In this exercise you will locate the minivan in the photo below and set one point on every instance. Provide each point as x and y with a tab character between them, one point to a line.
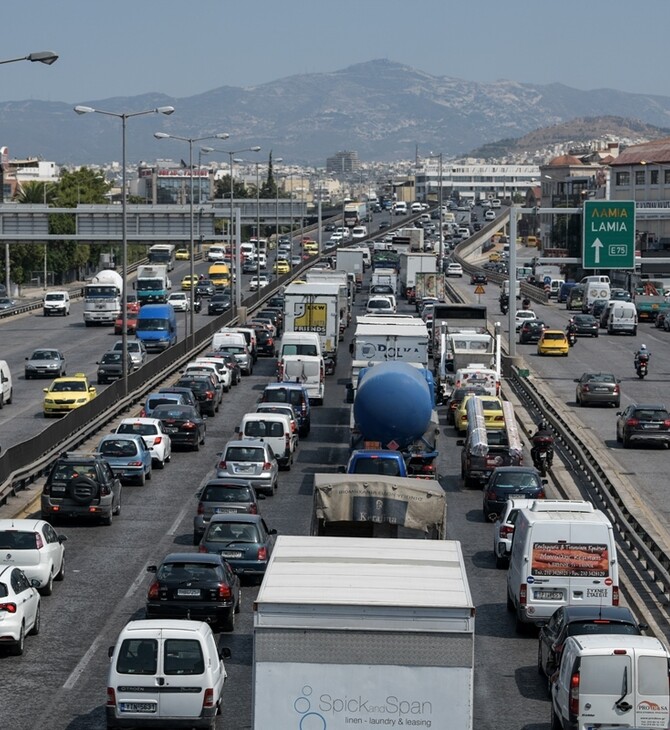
56	302
560	557
308	371
300	343
622	318
400	208
611	680
165	672
273	428
157	326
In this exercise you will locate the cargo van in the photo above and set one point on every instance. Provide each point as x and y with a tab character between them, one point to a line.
594	291
575	297
308	371
561	557
622	318
5	383
165	672
157	326
300	343
273	428
564	290
597	278
250	337
611	680
400	207
219	274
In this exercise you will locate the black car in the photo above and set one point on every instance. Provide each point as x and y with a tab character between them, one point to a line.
479	279
110	366
219	303
184	424
81	485
265	343
383	225
276	301
587	325
276	314
511	481
476	227
205	288
645	423
598	307
329	227
581	620
199	586
207	392
531	331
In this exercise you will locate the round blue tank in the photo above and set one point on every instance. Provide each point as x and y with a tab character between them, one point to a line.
393	403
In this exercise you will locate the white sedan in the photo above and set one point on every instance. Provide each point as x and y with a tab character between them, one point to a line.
35	547
179	301
454	269
523	315
258	282
24	616
152	432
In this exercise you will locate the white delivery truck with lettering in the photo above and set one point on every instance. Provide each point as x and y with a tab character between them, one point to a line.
347	634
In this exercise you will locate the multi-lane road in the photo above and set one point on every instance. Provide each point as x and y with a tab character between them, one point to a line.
60	681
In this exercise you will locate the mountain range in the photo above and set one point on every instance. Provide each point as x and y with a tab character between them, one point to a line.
383	110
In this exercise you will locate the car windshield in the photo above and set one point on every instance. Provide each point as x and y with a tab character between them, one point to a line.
651	414
16	540
179	571
184	413
513	481
153	403
554	336
44	355
232	532
67	470
152	324
224	493
387	467
68	385
601	626
245	453
112	357
118	447
138	429
600	378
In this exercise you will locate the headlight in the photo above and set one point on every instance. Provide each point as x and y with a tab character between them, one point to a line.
29	366
81	400
48	400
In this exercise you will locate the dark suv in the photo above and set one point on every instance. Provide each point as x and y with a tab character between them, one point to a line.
531	331
81	485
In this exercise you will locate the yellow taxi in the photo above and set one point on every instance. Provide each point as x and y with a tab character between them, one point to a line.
492	408
281	267
67	393
553	342
310	248
182	254
495	257
187	283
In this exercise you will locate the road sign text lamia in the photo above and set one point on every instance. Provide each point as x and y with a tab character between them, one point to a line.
609	220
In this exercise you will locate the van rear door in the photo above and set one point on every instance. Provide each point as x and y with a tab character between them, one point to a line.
651	706
183	670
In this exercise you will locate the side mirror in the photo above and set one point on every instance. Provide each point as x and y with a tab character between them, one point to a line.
576	380
460	442
62	539
110	651
151	568
224	653
272	531
260	496
35	583
26	358
545	481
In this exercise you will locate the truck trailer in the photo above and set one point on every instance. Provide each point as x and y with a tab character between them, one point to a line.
353	631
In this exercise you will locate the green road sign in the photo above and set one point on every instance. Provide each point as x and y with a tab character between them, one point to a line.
609	234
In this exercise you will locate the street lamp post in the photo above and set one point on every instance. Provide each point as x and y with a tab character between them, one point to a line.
202	151
46	57
440	246
191	140
124	220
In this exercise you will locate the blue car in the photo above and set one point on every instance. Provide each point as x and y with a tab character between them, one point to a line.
165	399
377	461
128	456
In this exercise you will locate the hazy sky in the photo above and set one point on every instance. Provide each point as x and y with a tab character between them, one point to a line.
181	48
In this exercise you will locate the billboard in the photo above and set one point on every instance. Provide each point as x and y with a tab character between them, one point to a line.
570	559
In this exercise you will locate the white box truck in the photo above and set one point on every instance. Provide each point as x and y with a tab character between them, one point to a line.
351	261
353	631
412	264
316	308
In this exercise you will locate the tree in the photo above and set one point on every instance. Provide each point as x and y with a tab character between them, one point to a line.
222	189
269	187
36	192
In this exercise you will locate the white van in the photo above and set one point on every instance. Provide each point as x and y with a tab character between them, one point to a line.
554	287
5	383
598	278
300	343
221	339
593	292
622	318
400	207
358	232
611	680
309	371
559	558
165	672
56	302
273	428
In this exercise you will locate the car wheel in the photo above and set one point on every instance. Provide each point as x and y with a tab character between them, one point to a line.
60	575
626	442
160	464
196	446
228	624
238	606
556	724
141	479
149	474
38	623
17	648
501	563
196	538
48	588
28	376
108	519
510	604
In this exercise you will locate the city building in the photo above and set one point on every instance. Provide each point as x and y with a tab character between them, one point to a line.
343	163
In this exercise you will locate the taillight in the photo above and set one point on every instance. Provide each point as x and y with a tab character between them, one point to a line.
287	442
157	440
39	544
253	509
322	374
153	590
666	423
267	466
208	698
143	413
506	531
615	595
111	697
573	707
9	607
541	494
224	591
134	463
202	549
491	496
105	489
262	553
280	372
201	508
189	426
222	465
523	594
294	427
633	422
209	394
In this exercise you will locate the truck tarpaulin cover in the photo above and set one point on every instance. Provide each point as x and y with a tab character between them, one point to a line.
411	503
570	559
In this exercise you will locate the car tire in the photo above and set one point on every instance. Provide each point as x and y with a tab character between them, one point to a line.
38	623
540	670
238	605
48	588
555	723
626	442
196	446
60	575
196	538
228	624
17	648
141	480
160	464
107	520
501	563
510	604
617	404
149	474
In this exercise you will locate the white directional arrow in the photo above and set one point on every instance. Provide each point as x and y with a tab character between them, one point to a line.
597	244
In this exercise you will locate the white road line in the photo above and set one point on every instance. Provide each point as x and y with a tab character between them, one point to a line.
81	665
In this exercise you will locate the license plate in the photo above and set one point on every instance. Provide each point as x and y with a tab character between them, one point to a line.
548	595
225	510
596	592
137	707
601	390
170	429
57	488
188	592
231	554
244	467
651	426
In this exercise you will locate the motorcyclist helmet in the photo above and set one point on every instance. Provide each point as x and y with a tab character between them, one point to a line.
542	425
643	347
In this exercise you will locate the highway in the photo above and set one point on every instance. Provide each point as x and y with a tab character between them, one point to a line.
61	679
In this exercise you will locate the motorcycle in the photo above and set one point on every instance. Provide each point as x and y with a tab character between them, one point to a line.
543	455
504	305
572	337
642	366
197	305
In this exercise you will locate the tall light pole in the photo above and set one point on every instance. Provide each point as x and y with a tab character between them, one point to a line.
202	151
46	57
191	140
124	220
440	248
234	245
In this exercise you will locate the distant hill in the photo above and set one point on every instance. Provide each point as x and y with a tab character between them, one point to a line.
381	109
576	132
